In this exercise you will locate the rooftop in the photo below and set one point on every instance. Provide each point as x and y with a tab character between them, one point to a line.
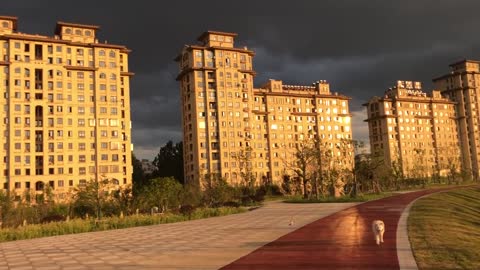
11	18
60	24
204	34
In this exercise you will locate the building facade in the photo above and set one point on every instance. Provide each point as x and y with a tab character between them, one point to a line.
462	85
229	125
415	131
65	109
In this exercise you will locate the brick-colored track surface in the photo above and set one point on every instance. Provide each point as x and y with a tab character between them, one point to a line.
343	240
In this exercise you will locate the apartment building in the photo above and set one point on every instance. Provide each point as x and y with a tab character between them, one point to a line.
225	116
462	85
65	109
415	131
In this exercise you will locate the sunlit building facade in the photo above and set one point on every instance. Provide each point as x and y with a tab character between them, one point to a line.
462	85
224	115
413	131
65	109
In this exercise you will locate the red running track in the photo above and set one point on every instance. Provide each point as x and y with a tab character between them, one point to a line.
343	240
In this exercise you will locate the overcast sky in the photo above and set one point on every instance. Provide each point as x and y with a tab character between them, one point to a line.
360	47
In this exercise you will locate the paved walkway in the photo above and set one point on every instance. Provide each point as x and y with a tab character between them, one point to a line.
199	244
343	240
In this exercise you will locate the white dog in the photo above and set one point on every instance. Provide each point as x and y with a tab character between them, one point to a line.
378	228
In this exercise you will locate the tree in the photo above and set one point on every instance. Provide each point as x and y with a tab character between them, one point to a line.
6	205
92	198
356	145
397	170
124	199
367	170
244	159
169	161
420	170
247	186
305	161
345	147
138	177
163	192
216	190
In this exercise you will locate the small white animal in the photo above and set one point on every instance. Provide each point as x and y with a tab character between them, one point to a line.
378	228
292	222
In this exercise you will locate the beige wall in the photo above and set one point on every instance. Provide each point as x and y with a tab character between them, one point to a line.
462	85
66	112
414	129
224	115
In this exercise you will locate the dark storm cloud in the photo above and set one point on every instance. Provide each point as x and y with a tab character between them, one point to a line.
360	47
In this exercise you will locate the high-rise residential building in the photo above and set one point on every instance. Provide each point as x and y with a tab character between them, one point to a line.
224	116
414	131
462	85
65	109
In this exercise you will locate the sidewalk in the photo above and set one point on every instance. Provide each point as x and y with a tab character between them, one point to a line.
343	240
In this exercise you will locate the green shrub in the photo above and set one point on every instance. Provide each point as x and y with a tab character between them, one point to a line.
89	225
231	204
53	218
187	210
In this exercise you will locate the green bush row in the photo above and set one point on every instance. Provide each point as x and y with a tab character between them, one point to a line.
78	225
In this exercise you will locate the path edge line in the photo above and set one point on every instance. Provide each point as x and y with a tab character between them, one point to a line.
406	260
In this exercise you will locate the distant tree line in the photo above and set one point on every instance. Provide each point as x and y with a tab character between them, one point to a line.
168	163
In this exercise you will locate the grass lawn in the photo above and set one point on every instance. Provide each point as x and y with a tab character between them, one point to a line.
108	223
444	230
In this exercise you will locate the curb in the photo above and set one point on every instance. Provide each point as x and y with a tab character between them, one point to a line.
406	261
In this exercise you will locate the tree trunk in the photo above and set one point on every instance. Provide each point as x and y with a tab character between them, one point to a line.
305	191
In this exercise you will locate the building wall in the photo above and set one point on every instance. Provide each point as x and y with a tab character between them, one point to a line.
224	116
462	85
414	130
65	109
